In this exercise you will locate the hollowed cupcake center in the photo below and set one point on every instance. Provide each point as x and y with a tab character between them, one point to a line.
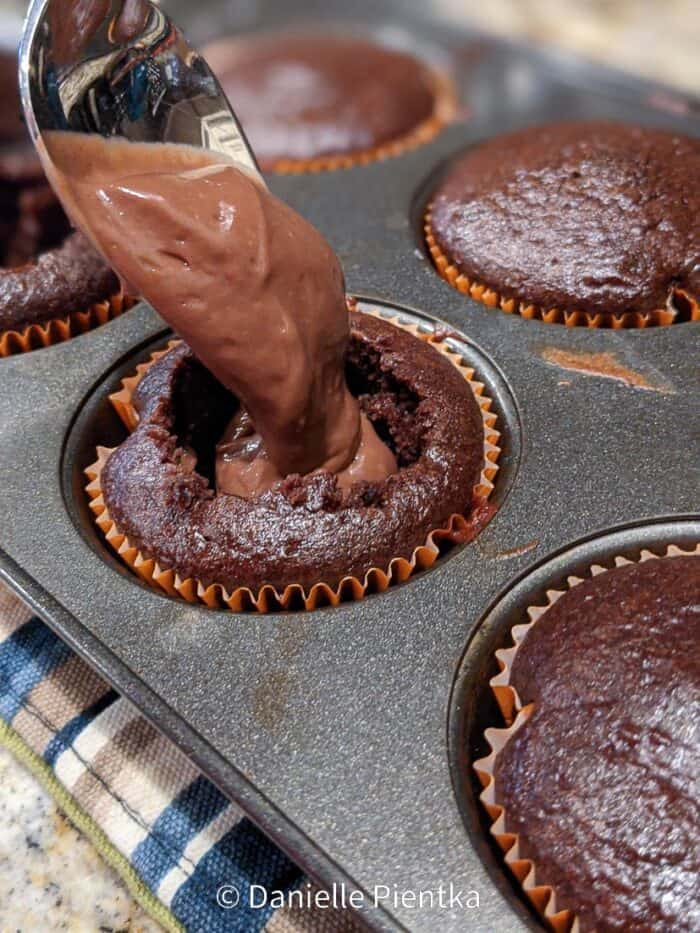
202	408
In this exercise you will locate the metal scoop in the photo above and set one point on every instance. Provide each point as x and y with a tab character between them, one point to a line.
121	68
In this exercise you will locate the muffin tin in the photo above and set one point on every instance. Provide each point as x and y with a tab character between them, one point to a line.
348	734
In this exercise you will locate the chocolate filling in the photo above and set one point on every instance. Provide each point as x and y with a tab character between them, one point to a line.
202	408
249	284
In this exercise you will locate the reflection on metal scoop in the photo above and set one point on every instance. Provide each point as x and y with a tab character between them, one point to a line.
121	68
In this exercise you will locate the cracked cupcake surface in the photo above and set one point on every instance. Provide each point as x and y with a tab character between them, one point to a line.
593	217
600	783
159	485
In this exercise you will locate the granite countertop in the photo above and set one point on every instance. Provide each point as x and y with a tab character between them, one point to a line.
46	867
51	878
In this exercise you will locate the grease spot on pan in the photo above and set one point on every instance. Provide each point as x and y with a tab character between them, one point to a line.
270	699
271	694
515	551
606	366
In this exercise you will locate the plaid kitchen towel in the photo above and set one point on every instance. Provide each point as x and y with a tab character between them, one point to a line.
187	854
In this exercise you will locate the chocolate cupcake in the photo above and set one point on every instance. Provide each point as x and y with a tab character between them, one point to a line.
594	788
318	102
53	284
305	541
579	223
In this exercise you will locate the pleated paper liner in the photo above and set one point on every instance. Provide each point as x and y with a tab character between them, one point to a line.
443	113
686	307
58	330
458	530
542	896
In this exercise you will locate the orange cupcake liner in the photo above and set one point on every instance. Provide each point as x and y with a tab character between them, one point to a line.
444	110
449	271
543	897
458	530
58	330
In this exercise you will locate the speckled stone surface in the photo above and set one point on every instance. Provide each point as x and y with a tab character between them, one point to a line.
51	878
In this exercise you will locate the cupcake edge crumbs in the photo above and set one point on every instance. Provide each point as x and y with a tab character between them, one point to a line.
293	595
60	314
563	914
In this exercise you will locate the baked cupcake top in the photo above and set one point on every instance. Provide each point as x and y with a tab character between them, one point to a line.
595	217
46	271
600	783
159	485
300	97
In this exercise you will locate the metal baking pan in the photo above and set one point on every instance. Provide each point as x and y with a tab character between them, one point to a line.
347	734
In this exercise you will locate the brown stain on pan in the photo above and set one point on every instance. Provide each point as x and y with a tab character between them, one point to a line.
515	551
271	694
270	699
605	365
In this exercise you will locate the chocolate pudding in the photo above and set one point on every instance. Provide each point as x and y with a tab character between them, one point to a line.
300	97
592	217
601	783
253	288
